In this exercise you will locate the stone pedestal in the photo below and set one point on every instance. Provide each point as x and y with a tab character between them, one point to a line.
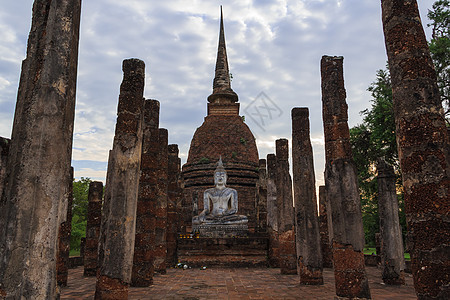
221	230
223	252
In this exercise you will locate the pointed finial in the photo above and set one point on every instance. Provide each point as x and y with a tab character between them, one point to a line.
222	82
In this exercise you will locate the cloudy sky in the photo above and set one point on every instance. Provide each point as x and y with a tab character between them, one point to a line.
274	51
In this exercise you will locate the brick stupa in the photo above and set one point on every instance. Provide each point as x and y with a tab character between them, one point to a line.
223	133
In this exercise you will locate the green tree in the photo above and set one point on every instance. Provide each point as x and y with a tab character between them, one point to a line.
439	45
79	211
373	138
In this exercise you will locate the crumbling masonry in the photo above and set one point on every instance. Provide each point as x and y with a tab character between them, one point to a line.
122	181
285	209
142	273
94	219
342	186
307	233
38	168
422	141
325	246
392	256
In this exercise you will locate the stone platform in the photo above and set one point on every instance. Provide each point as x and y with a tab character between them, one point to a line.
224	252
221	231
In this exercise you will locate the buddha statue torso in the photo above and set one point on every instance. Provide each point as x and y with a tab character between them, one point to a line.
220	203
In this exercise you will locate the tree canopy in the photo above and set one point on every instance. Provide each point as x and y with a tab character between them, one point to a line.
439	45
79	211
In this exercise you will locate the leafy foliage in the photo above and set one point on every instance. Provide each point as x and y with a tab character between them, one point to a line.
79	211
372	139
439	45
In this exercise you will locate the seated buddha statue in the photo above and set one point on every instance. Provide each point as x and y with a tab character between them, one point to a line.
220	203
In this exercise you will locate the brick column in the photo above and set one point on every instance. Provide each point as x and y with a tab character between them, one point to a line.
272	215
174	195
285	210
261	198
309	256
348	233
4	151
65	230
32	208
392	256
422	141
325	246
142	273
94	220
160	253
122	182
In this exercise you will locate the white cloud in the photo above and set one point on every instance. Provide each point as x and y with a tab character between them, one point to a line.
274	46
90	173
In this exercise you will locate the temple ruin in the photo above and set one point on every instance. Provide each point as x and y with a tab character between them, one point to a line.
224	207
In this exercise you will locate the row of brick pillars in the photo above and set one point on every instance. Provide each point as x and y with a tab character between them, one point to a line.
135	234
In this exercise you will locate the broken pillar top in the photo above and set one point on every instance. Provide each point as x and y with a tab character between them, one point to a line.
282	149
151	113
173	148
384	169
262	163
133	65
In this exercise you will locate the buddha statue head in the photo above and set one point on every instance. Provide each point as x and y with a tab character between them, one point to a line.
220	175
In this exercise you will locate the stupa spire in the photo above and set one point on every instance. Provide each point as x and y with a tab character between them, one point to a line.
222	83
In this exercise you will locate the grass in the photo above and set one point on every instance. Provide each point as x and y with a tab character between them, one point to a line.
74	252
370	251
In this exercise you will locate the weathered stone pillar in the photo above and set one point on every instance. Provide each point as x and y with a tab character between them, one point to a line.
122	182
32	208
285	209
392	257
342	186
422	141
261	198
307	233
174	193
94	220
65	230
142	273
160	252
327	254
4	151
272	215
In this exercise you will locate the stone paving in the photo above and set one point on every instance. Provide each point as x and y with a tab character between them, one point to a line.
234	283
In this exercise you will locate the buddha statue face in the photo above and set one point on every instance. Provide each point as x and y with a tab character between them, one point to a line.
220	178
